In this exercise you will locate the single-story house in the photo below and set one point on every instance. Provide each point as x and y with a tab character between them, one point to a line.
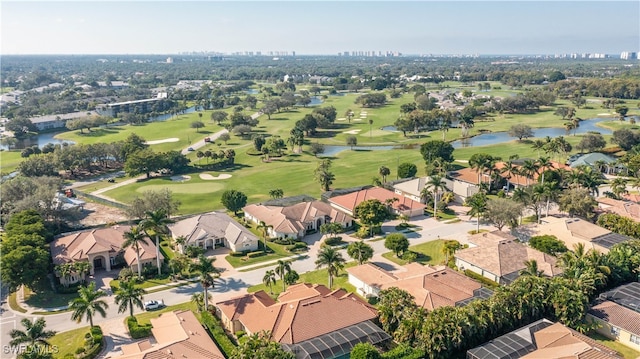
627	209
431	287
399	204
177	334
464	183
214	229
102	248
499	257
618	313
598	161
296	220
573	231
542	339
311	321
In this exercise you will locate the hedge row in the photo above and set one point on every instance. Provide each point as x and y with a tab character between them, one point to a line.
219	335
136	330
486	281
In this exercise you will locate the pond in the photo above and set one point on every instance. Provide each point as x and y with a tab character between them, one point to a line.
251	91
334	150
501	137
39	140
315	100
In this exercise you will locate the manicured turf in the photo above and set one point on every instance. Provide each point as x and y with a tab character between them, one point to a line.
45	298
13	303
67	342
625	351
428	253
277	252
9	161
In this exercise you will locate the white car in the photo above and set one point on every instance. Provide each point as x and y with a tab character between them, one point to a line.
153	305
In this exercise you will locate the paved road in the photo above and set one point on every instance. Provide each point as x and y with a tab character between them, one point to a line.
201	143
233	283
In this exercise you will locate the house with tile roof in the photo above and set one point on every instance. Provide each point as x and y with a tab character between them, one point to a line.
294	221
542	339
574	231
308	320
431	287
213	229
499	257
178	335
102	248
618	313
627	209
399	204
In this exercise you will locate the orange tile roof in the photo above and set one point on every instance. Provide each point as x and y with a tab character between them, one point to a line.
618	316
292	219
559	342
627	209
351	200
303	316
78	246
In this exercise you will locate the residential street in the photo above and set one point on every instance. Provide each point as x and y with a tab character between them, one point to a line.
234	282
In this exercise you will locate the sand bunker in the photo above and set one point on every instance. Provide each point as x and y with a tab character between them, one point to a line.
180	178
208	177
604	114
341	119
353	132
173	139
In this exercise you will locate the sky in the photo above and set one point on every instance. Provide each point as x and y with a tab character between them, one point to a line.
319	27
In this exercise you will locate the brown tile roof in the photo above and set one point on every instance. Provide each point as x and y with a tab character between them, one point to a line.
559	342
505	256
212	225
431	287
618	316
465	175
623	208
470	175
292	219
351	200
77	246
178	335
303	316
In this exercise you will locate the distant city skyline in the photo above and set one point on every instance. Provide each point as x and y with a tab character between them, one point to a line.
327	28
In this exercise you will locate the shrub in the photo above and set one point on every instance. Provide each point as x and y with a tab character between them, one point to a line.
240	334
364	351
403	351
194	251
138	331
333	241
410	256
486	281
255	254
79	350
219	336
238	254
125	274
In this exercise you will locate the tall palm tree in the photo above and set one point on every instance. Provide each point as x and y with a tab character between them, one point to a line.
478	204
510	169
538	145
264	228
544	163
207	274
134	238
181	241
198	300
33	335
531	269
529	168
619	186
360	251
128	296
436	184
281	270
269	279
384	172
88	303
156	222
332	259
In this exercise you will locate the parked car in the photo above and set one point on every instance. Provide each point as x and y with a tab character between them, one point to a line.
153	305
207	139
190	149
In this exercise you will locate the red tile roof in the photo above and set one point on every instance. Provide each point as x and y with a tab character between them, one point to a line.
351	200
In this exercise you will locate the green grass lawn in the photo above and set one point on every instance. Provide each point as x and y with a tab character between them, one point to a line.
13	303
428	253
445	215
143	318
9	161
319	276
148	283
67	342
46	298
277	251
625	351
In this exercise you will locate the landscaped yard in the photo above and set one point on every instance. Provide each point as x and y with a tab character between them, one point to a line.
143	318
67	342
625	351
427	253
278	251
46	298
9	161
319	276
147	283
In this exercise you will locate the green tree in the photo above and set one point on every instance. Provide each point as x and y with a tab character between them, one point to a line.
233	200
397	243
478	204
352	141
129	296
394	306
197	125
548	244
143	161
135	237
198	300
331	228
34	335
577	202
269	279
435	183
323	174
371	212
260	346
219	116
449	249
360	251
384	172
276	193
156	222
331	259
283	267
88	303
520	131
132	144
406	170
25	265
264	228
364	351
503	211
531	269
207	273
435	149
224	137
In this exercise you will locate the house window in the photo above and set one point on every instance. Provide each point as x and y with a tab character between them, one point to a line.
635	339
112	260
615	331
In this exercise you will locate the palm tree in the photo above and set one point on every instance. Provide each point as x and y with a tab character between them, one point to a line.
269	279
332	259
478	204
207	274
384	172
529	168
180	241
436	183
538	145
360	251
370	127
619	186
134	238
544	164
128	296
198	300
157	222
281	270
88	303
33	335
531	269
265	230
510	169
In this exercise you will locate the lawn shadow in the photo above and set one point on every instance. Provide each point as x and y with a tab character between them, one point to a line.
101	132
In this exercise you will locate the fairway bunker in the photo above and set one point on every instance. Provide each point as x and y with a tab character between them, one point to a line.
166	140
208	177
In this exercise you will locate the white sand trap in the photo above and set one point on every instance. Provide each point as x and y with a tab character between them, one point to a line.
353	132
208	177
341	119
357	119
155	142
180	178
604	114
